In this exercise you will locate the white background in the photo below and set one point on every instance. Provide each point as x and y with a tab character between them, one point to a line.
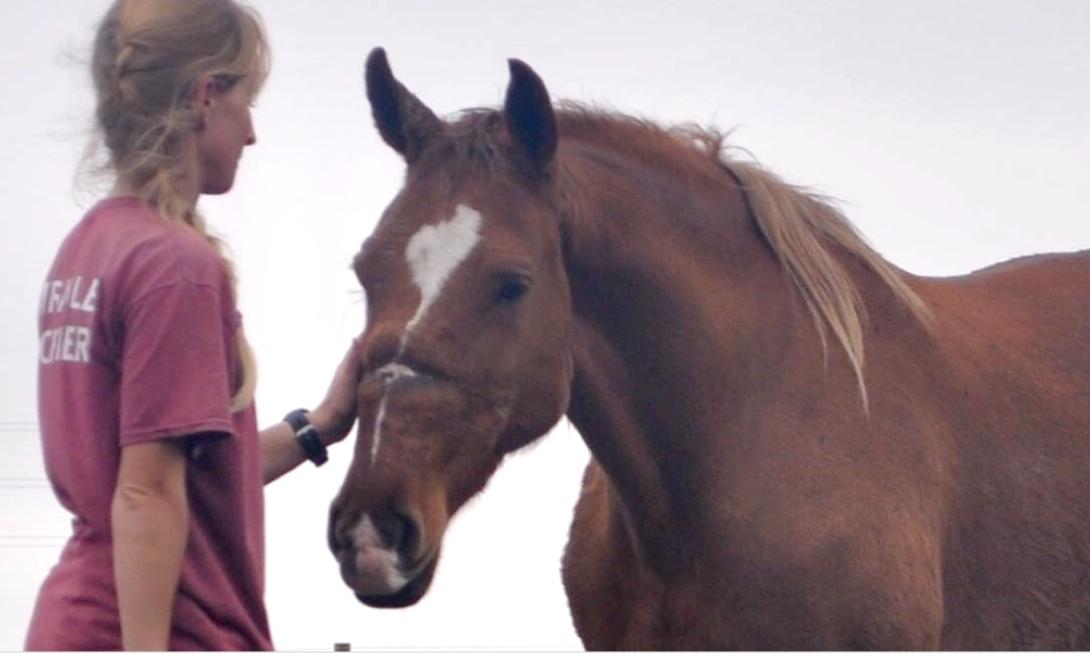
956	133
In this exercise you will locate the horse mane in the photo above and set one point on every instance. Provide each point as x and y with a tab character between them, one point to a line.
797	223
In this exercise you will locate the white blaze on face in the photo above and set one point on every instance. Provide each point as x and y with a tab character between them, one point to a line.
433	253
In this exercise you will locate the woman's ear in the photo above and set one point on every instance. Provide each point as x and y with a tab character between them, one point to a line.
204	95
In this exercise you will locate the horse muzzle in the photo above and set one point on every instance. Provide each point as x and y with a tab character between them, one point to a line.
380	559
412	591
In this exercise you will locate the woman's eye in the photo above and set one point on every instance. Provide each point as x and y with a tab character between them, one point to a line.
511	291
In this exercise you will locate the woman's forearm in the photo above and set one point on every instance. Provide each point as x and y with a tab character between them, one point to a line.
280	453
150	525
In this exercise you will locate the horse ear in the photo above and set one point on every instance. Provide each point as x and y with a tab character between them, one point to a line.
404	122
529	115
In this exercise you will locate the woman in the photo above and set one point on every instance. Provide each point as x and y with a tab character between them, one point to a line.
146	381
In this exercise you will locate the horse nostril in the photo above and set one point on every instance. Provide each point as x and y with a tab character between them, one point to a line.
410	538
337	542
398	531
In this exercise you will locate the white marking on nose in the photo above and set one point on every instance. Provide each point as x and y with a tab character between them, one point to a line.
374	559
376	439
394	371
387	374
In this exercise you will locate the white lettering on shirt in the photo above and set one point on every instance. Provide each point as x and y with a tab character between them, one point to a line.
90	301
61	295
68	343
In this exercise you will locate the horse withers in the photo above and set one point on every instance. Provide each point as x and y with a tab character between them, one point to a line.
795	444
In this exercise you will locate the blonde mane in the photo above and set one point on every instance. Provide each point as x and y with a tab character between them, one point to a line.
801	227
797	224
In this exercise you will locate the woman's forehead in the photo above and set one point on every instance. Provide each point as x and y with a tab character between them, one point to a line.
250	85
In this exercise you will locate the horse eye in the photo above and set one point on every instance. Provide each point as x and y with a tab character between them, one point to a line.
511	291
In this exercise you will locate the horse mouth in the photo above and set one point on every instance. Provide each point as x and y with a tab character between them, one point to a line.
408	595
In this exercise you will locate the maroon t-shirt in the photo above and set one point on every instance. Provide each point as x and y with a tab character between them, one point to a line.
137	343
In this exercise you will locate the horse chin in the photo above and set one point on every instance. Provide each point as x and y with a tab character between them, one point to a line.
408	595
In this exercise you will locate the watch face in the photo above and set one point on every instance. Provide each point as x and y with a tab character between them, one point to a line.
312	446
307	436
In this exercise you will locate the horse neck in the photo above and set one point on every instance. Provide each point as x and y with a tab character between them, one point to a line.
681	316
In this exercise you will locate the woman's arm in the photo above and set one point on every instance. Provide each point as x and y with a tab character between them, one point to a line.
280	453
333	419
150	523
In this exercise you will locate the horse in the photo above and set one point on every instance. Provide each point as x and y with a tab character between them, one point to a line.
795	444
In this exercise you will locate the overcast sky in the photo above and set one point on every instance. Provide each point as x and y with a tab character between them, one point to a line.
956	134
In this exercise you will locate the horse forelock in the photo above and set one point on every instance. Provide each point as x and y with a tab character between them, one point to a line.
797	224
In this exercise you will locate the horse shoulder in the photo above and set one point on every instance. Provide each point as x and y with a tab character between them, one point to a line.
613	604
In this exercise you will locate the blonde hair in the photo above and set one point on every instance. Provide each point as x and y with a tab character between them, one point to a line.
148	58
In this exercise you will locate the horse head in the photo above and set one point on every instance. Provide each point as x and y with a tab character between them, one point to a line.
468	314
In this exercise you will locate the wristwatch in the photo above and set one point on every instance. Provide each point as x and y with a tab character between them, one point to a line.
307	436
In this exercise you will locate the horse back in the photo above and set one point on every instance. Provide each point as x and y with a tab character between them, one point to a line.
1016	338
1014	385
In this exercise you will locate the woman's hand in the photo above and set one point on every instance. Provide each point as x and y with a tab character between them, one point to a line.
335	416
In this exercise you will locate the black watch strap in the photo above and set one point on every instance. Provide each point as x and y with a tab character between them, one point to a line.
307	436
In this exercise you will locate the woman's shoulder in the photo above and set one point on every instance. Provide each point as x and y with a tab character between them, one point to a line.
147	247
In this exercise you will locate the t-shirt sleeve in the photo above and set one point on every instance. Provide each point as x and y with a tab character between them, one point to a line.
174	371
